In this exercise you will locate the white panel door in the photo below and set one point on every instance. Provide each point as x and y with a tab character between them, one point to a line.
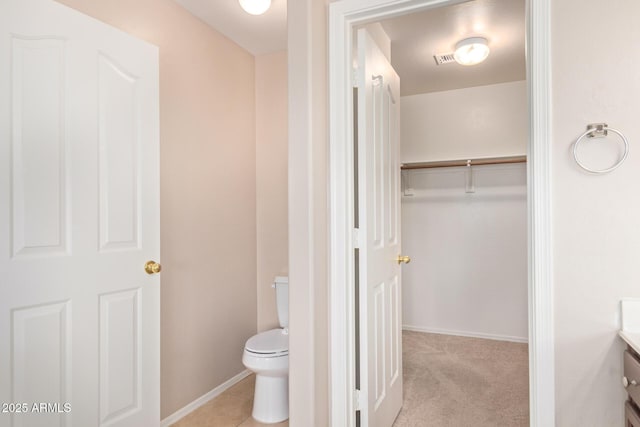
79	217
379	216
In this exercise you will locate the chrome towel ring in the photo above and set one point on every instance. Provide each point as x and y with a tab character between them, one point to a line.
600	130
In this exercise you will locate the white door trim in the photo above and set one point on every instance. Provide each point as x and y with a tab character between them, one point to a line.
344	15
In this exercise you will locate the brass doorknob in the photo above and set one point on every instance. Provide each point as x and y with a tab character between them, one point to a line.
152	267
403	258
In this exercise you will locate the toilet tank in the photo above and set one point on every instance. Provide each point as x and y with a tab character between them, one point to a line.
281	283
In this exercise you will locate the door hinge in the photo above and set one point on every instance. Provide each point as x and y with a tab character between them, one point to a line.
354	78
356	238
356	400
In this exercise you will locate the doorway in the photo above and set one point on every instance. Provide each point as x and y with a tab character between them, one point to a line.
345	16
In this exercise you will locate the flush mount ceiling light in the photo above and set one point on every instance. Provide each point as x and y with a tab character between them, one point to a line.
255	7
471	51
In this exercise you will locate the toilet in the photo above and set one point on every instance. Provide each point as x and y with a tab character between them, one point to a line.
267	354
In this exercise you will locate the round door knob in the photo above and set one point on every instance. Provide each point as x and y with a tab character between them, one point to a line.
626	383
403	258
152	267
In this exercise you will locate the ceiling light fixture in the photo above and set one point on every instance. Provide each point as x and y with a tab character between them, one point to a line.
471	51
255	7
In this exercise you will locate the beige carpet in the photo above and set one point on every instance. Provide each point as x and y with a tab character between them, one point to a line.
463	382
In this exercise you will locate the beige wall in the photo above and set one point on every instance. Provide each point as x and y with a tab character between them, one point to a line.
482	121
208	188
596	219
271	181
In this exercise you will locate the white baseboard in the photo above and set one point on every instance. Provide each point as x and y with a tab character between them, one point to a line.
495	337
183	412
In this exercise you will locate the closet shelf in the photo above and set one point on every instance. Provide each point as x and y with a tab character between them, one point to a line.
467	162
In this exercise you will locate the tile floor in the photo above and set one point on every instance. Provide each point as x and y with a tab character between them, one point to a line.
448	381
231	409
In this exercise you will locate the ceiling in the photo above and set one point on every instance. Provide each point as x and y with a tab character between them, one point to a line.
417	37
260	34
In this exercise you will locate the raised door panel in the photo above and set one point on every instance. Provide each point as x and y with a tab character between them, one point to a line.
392	170
120	357
119	156
379	343
41	364
395	347
377	149
39	220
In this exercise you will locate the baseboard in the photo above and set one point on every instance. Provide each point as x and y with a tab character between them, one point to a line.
495	337
183	412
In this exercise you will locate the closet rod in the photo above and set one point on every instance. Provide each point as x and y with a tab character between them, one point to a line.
472	162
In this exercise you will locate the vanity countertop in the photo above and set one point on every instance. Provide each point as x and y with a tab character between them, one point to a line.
631	338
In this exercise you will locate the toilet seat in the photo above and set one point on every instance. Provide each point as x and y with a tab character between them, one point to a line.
273	343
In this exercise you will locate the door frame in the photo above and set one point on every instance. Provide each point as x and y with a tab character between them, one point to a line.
343	17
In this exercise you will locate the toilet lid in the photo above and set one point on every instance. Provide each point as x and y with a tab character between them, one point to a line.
273	341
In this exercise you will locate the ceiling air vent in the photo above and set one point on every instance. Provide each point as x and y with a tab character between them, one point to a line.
444	58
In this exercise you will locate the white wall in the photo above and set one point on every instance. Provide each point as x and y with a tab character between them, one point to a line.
308	214
596	219
483	121
468	270
468	274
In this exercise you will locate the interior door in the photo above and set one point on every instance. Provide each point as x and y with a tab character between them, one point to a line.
79	217
379	209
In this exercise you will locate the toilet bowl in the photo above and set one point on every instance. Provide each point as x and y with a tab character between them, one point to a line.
267	355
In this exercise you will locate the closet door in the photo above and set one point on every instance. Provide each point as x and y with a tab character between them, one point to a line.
379	212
